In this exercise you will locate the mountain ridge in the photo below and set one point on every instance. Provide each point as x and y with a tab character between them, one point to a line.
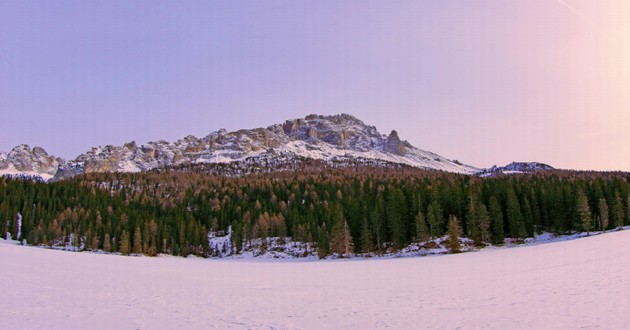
314	136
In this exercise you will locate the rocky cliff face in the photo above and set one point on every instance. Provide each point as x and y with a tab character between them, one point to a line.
515	168
315	136
23	160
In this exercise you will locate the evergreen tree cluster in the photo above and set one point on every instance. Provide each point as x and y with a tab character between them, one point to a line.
341	211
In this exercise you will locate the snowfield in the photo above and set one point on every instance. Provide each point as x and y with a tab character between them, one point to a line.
583	283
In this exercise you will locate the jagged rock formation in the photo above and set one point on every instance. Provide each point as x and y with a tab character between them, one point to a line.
515	168
315	136
24	161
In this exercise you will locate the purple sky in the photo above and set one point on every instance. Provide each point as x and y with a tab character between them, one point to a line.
485	81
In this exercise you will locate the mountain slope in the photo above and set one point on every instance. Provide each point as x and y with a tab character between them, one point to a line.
326	138
515	168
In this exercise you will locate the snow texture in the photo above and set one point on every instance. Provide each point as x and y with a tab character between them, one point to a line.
580	283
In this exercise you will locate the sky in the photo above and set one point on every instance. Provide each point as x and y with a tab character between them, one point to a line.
484	82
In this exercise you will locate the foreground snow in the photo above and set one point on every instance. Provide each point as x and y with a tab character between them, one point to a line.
572	284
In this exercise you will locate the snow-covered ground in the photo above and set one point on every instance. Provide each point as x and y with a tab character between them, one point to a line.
583	283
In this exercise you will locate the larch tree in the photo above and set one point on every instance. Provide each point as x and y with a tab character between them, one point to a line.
107	243
125	248
340	241
453	232
584	211
137	241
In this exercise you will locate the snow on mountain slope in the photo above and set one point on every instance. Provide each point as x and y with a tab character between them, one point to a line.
22	161
574	284
317	137
515	168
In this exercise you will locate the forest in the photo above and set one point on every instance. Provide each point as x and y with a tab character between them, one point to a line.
340	211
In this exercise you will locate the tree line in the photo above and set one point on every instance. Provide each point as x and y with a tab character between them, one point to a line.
340	211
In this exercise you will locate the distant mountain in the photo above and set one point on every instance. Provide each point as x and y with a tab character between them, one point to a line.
337	138
24	161
515	168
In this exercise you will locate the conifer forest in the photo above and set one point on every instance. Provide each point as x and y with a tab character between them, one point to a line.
342	211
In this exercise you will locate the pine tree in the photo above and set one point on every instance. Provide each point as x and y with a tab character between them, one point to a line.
603	214
584	212
453	233
496	215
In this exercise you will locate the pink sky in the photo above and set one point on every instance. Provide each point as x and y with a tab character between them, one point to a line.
485	82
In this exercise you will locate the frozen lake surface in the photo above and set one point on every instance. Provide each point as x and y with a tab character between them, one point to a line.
583	283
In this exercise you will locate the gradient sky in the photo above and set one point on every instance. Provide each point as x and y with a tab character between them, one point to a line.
482	81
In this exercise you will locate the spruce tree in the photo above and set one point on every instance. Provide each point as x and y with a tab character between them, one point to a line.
323	242
618	211
422	231
603	214
483	223
366	238
496	215
515	216
435	219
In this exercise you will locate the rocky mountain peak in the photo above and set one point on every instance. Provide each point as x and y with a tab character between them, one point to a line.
327	138
22	160
394	145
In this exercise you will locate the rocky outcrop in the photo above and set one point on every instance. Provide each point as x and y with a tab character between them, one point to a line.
315	136
23	160
394	145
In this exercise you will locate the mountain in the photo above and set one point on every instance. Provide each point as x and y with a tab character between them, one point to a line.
24	161
328	138
515	168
